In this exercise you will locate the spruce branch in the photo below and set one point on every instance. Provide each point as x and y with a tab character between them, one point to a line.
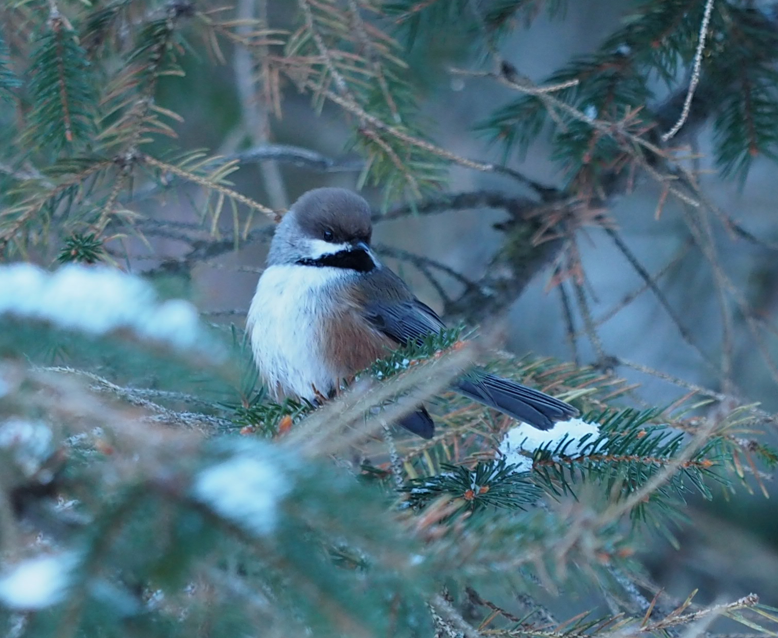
130	101
488	485
361	65
212	181
515	206
371	126
627	133
62	89
164	471
282	153
43	193
396	132
373	55
140	397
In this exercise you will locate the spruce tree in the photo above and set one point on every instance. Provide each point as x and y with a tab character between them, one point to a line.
149	485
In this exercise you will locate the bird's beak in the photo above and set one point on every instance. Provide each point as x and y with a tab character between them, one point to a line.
360	245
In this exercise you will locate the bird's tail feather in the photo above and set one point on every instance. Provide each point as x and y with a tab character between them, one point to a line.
520	402
419	422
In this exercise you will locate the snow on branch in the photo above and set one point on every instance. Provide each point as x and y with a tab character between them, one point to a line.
27	443
100	300
38	582
245	488
520	443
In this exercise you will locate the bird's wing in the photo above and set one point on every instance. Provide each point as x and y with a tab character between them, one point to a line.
391	308
406	322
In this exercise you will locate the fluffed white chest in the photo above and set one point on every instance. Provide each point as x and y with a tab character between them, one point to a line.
286	326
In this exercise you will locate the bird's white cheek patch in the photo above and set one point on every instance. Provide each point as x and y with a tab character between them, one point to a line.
319	248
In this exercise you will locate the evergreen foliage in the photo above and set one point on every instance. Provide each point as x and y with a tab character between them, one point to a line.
264	531
487	485
63	95
153	488
92	80
82	248
616	83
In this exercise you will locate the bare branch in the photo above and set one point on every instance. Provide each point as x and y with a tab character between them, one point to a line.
567	311
424	264
283	153
583	308
138	397
256	112
695	79
516	206
631	296
298	156
651	284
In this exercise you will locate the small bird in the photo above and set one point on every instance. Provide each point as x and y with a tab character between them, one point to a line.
326	308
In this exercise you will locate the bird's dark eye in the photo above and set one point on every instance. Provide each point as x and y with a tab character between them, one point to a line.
328	235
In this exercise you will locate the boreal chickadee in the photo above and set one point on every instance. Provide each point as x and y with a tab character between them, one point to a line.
326	308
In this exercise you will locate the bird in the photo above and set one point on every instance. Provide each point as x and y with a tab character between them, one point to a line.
326	308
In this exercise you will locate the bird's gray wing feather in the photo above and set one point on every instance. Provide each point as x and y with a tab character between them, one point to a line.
391	308
406	322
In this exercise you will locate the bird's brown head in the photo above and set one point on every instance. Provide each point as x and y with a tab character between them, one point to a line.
322	222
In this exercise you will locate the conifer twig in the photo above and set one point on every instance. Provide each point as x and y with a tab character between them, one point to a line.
367	44
631	296
205	183
353	107
137	397
567	312
583	304
651	284
615	130
695	79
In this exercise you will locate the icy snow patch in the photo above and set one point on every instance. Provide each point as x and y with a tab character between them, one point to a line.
244	489
37	582
97	300
29	443
527	439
